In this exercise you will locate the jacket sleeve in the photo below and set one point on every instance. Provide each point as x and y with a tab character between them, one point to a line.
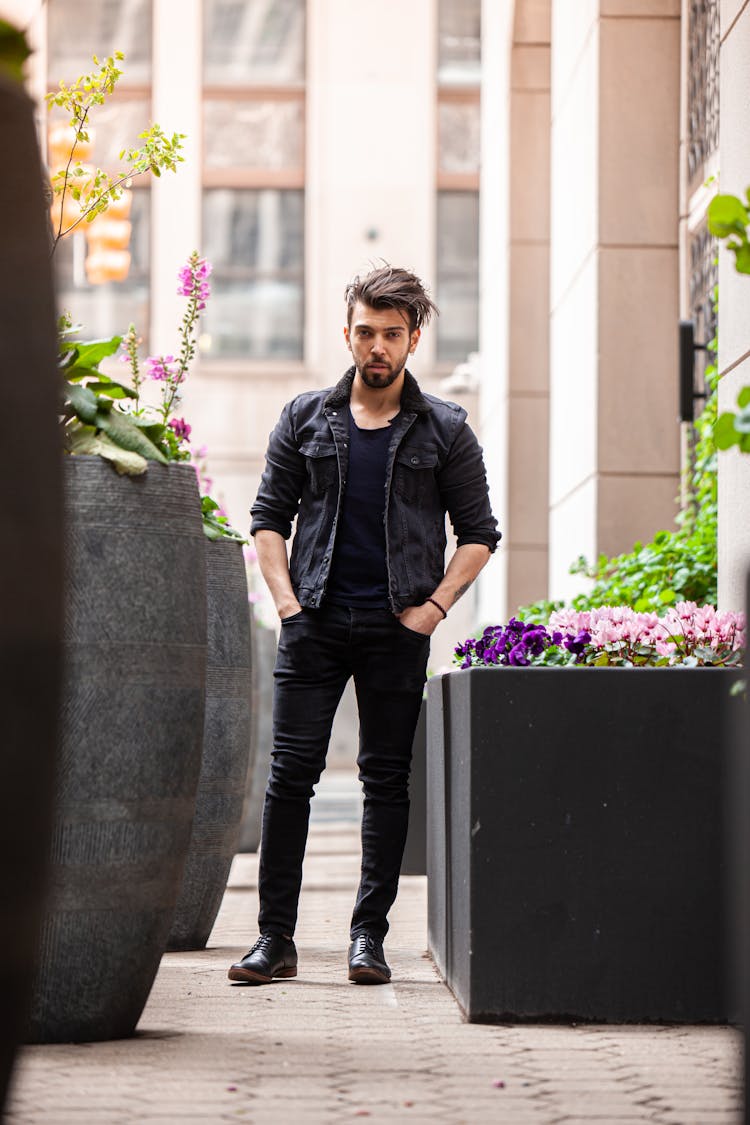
463	487
282	481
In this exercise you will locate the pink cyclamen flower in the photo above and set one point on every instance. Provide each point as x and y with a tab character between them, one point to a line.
181	429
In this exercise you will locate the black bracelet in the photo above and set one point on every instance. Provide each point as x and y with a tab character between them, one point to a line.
438	605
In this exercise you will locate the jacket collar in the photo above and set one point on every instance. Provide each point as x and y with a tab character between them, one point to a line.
412	399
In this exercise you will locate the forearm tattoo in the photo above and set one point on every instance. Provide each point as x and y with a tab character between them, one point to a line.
461	590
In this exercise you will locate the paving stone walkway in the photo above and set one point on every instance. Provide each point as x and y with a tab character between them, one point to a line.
319	1049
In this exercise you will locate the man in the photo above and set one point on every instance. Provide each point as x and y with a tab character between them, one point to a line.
369	468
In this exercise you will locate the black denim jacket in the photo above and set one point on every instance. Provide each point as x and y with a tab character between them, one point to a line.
434	465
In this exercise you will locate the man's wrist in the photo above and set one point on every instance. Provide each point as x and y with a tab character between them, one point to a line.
288	606
439	606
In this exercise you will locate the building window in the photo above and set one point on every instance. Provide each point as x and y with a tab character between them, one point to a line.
78	29
107	310
458	275
702	86
457	288
702	161
254	238
459	42
253	177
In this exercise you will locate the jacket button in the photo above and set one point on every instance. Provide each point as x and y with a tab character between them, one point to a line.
326	558
415	460
333	412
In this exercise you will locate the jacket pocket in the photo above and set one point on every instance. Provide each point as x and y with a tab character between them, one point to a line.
414	471
321	464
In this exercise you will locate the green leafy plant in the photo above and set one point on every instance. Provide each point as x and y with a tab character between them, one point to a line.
729	221
107	417
94	190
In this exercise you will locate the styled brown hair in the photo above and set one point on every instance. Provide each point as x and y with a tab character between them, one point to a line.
389	287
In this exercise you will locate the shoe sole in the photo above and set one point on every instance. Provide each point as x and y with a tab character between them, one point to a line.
247	976
368	976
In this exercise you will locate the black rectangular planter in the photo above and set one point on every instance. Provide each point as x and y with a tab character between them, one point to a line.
575	842
414	861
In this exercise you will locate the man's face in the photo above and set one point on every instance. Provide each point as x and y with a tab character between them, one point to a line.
380	343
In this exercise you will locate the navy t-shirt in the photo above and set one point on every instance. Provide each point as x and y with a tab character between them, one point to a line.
359	576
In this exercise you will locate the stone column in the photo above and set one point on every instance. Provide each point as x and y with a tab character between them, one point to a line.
176	198
614	453
528	337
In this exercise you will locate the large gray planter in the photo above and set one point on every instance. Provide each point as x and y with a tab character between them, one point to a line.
30	563
576	842
264	659
226	747
132	725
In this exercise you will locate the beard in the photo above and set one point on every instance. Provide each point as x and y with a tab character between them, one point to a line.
379	380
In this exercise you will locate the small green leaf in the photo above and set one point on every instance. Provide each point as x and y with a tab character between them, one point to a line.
91	353
83	401
743	398
153	430
742	258
725	434
111	389
125	461
123	432
726	215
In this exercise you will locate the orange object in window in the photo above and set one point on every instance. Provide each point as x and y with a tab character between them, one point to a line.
107	265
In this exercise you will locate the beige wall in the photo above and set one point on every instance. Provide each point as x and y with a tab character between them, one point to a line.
734	290
614	443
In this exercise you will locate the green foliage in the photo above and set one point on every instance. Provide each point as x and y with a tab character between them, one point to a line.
14	51
215	525
94	422
729	221
94	191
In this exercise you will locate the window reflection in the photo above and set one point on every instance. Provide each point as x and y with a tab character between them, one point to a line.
107	310
457	274
459	43
458	136
253	134
254	239
251	42
116	125
78	29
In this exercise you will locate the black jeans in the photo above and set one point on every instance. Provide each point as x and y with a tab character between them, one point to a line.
319	650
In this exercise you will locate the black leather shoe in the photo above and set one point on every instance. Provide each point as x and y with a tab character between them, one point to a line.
367	964
271	956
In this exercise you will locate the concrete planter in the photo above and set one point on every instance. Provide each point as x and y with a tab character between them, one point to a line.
226	748
575	842
132	726
30	564
264	659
